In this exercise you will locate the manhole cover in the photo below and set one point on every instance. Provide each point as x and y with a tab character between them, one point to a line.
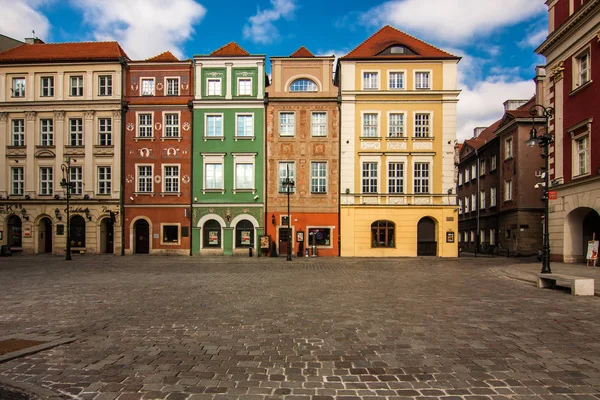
10	345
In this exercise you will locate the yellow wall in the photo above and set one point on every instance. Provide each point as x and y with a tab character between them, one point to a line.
356	242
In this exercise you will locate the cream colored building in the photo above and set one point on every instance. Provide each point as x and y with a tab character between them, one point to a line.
58	101
398	131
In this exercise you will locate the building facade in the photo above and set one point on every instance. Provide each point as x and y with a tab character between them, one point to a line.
158	155
228	152
60	106
398	130
303	145
569	84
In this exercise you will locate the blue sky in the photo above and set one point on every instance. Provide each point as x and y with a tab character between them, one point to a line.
496	38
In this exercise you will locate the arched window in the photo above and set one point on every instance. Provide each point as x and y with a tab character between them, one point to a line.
14	231
77	231
244	234
212	233
382	234
303	85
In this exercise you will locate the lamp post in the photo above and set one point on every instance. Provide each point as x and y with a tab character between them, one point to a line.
288	184
67	185
543	141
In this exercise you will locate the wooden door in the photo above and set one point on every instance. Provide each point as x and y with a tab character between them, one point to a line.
142	237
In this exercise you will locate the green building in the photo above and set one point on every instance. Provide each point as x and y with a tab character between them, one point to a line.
228	152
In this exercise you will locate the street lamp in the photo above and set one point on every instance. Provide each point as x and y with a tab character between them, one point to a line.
288	184
543	141
68	186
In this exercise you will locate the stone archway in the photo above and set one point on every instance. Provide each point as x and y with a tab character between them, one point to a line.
426	237
45	235
579	227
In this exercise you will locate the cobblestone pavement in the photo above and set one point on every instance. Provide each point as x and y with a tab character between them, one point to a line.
310	329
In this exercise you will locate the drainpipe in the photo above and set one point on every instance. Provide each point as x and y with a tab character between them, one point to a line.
265	168
339	103
124	108
478	235
190	105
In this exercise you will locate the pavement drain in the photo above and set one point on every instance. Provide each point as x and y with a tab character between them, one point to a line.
16	344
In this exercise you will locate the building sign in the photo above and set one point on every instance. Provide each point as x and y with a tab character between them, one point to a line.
246	237
213	238
27	233
300	236
450	237
10	208
592	251
552	195
60	229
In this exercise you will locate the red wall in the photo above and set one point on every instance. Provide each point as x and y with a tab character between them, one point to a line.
561	13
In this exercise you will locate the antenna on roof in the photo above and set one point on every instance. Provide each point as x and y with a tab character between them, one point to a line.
32	33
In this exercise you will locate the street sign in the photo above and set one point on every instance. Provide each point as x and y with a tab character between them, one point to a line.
552	195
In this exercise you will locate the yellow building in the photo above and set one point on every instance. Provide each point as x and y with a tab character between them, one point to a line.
398	130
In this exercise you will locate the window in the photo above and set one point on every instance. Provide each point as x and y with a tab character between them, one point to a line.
493	163
473	171
318	177
318	126
214	125
460	207
245	125
303	85
508	148
105	85
396	80
76	88
467	179
481	236
172	86
492	237
395	177
319	237
482	200
18	87
460	178
46	181
47	86
422	125
76	178
147	86
583	68
144	179
172	125
369	125
170	234
467	208
492	197
104	180
244	87
396	125
244	234
508	190
422	80
421	180
171	178
105	131
75	132
382	233
582	155
17	184
213	87
46	132
211	234
18	132
287	125
287	169
77	233
145	125
244	176
482	167
472	236
473	202
370	80
213	176
369	177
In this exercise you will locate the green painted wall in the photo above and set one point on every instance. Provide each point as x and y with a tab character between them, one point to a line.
220	73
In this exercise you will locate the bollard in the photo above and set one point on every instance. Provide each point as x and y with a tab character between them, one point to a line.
250	252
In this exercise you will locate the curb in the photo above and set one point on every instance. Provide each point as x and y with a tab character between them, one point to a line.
34	349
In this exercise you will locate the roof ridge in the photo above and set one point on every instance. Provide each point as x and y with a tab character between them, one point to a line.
420	40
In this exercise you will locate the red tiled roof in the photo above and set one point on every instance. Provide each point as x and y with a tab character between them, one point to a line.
230	50
523	111
485	136
388	36
54	52
162	57
302	52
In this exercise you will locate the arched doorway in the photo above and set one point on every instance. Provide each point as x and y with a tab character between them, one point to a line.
211	234
14	235
77	235
107	232
244	234
426	243
580	226
45	235
141	232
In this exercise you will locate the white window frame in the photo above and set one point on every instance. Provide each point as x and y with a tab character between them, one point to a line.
398	179
173	179
212	84
76	179
474	170
367	83
318	181
46	132
282	172
364	127
287	128
76	85
422	130
482	167
493	163
76	136
213	159
105	131
582	68
579	154
171	130
145	127
460	208
217	135
508	189
318	128
371	180
472	236
244	159
419	85
460	178
17	136
169	88
19	86
493	196
105	86
474	202
402	126
422	182
143	90
239	86
144	180
162	233
47	183
237	125
508	148
482	205
17	186
481	236
492	236
46	86
402	73
104	178
467	204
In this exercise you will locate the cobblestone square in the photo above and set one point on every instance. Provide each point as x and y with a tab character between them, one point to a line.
314	329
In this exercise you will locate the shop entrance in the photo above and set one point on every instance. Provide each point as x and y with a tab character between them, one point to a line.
141	232
45	236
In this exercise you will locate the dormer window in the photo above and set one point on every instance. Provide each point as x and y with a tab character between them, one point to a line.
303	85
397	50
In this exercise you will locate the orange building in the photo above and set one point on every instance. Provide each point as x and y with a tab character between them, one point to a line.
157	159
303	145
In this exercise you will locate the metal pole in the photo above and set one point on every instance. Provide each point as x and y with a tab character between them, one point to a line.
546	245
290	241
68	188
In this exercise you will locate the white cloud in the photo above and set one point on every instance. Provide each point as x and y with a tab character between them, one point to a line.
144	28
452	21
260	28
535	39
19	18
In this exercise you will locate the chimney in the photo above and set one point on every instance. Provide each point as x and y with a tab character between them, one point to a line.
510	105
29	40
477	131
540	77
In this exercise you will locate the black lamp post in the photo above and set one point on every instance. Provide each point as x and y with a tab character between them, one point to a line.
543	141
67	185
288	184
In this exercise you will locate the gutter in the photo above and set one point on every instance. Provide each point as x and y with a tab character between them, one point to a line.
124	108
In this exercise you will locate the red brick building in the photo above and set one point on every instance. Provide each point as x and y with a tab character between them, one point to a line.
157	156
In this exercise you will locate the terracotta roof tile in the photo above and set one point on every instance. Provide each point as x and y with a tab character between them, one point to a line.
485	136
58	52
523	111
302	52
230	50
166	56
389	36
